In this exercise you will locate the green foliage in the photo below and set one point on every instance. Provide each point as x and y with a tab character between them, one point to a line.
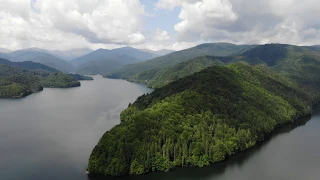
200	119
59	80
210	49
296	62
156	78
16	83
28	65
80	77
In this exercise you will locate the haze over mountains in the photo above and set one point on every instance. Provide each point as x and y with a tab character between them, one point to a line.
105	61
85	61
130	63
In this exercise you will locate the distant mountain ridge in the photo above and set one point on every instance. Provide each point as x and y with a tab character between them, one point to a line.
208	49
281	57
161	52
39	56
85	61
104	61
28	65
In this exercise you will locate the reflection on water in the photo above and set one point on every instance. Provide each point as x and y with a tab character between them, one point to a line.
50	135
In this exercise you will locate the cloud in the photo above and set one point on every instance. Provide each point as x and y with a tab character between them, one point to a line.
161	35
65	23
247	21
167	4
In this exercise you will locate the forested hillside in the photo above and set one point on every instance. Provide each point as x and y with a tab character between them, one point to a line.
59	80
19	82
15	82
204	118
209	49
28	65
79	77
285	58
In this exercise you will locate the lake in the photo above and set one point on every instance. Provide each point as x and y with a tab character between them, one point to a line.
50	135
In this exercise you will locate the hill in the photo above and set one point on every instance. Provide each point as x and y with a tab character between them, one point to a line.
79	77
19	79
28	65
201	119
71	54
104	61
59	80
282	57
210	49
40	56
16	83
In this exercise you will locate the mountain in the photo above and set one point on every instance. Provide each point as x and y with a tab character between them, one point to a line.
16	82
279	56
315	48
71	54
28	65
156	78
204	118
101	67
160	52
59	80
210	49
19	79
40	56
104	61
4	55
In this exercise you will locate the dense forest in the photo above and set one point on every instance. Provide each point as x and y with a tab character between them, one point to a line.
15	82
203	110
200	119
172	59
281	57
28	65
59	80
80	77
19	79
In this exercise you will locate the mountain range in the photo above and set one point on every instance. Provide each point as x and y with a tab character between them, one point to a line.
84	61
155	75
209	108
104	61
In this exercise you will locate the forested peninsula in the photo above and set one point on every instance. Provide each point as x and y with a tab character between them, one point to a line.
208	116
19	79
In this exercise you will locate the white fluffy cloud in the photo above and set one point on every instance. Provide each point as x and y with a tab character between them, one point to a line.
161	35
247	21
71	23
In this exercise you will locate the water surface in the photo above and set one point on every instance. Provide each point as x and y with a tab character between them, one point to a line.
50	135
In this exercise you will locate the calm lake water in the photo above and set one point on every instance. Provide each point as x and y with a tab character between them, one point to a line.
50	135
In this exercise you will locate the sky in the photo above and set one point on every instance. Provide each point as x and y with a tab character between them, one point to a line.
155	24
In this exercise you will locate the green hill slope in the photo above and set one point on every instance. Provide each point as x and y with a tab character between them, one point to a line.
210	49
19	82
281	57
16	83
201	119
28	65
